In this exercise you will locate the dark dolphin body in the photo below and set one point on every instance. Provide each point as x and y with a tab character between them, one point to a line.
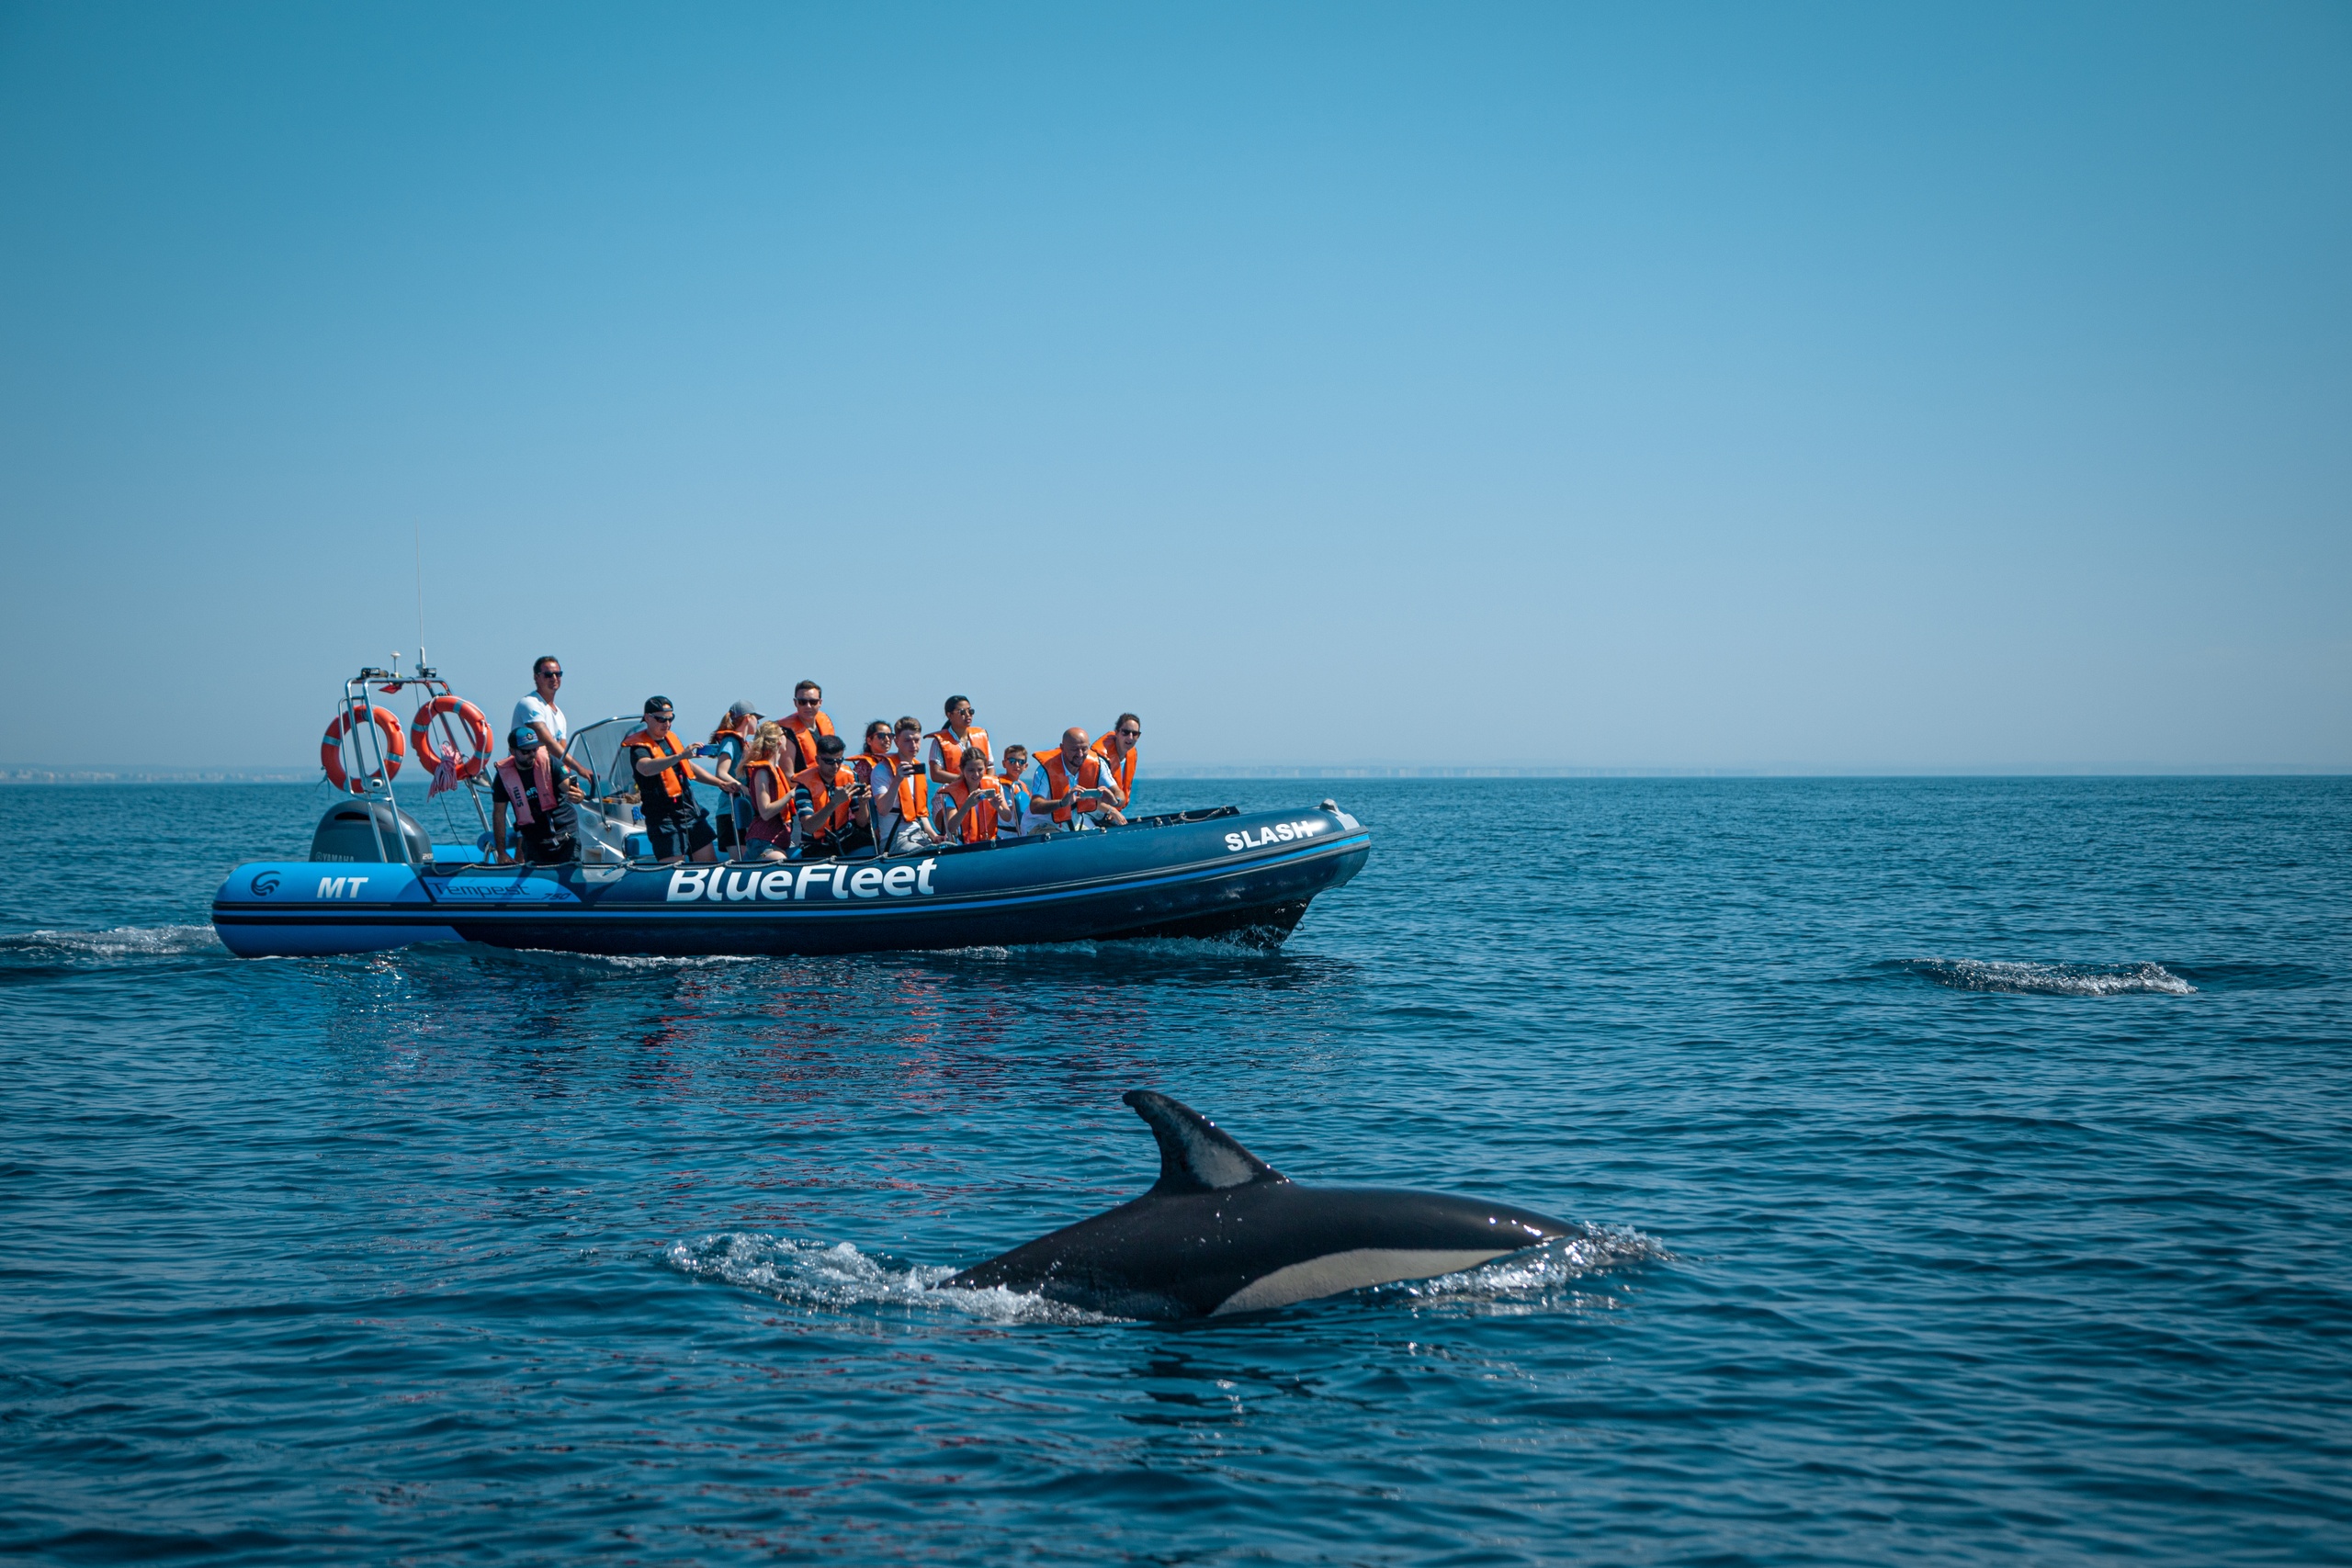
1222	1231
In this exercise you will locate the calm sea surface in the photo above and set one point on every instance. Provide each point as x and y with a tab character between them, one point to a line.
1973	1162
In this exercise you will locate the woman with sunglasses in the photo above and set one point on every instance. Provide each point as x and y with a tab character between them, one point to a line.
952	740
876	755
1117	748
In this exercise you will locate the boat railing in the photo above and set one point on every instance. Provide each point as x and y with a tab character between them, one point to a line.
368	765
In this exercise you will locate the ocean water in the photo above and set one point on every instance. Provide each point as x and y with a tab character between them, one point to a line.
1965	1163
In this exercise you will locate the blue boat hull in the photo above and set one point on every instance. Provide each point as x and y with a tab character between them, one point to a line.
1227	875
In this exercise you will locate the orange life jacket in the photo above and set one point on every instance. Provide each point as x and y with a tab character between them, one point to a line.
777	788
672	779
1123	770
828	797
951	750
913	787
542	779
803	738
865	762
1059	782
979	823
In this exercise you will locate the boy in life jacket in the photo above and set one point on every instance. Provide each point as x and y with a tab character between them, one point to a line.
825	818
950	741
537	783
1017	818
968	811
665	772
898	809
1079	791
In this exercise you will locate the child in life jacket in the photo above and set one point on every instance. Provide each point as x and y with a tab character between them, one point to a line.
1016	817
968	811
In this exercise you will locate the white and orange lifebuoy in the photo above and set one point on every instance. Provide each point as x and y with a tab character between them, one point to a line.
389	742
477	731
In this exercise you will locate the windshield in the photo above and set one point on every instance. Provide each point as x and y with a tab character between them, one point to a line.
596	752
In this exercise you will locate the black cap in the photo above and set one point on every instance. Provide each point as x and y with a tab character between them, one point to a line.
659	705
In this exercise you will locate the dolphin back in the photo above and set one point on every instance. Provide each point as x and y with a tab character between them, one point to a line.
1222	1231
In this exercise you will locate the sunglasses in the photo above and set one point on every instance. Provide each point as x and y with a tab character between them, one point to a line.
657	718
1131	735
806	702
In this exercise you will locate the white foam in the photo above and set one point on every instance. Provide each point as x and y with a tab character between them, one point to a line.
122	942
2028	978
838	1277
1540	1277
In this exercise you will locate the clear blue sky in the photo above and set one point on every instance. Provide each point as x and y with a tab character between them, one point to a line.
1648	386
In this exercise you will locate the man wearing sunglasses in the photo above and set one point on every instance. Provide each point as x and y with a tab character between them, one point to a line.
539	709
675	824
804	726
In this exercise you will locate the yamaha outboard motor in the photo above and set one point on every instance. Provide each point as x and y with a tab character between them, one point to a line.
344	834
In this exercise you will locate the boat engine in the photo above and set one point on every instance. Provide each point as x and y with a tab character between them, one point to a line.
344	834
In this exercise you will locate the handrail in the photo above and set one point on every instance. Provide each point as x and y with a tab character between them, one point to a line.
357	709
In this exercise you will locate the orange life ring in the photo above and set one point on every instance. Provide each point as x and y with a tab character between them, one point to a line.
477	730
330	748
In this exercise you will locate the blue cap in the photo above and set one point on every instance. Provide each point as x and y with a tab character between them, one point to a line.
523	737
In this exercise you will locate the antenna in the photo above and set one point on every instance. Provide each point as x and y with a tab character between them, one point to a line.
419	594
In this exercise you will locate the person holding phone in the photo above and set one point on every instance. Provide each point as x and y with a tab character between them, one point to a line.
676	826
1080	791
968	810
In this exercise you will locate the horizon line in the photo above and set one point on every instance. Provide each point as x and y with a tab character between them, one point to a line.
38	774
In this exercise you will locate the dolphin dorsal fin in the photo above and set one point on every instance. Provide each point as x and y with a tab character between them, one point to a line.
1194	1156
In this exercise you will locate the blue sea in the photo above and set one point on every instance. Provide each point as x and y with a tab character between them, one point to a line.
1967	1166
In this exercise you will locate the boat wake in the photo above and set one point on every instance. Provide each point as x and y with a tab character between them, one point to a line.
841	1278
2034	980
131	943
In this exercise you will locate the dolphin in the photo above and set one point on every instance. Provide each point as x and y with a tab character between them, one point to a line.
1222	1231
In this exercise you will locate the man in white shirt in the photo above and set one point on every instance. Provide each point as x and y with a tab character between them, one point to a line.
538	710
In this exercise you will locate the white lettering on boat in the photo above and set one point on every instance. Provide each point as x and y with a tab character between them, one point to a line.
341	887
1280	834
783	885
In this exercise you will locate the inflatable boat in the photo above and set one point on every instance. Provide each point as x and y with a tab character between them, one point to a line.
374	880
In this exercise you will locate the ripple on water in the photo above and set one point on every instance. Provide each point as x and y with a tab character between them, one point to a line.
2029	979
